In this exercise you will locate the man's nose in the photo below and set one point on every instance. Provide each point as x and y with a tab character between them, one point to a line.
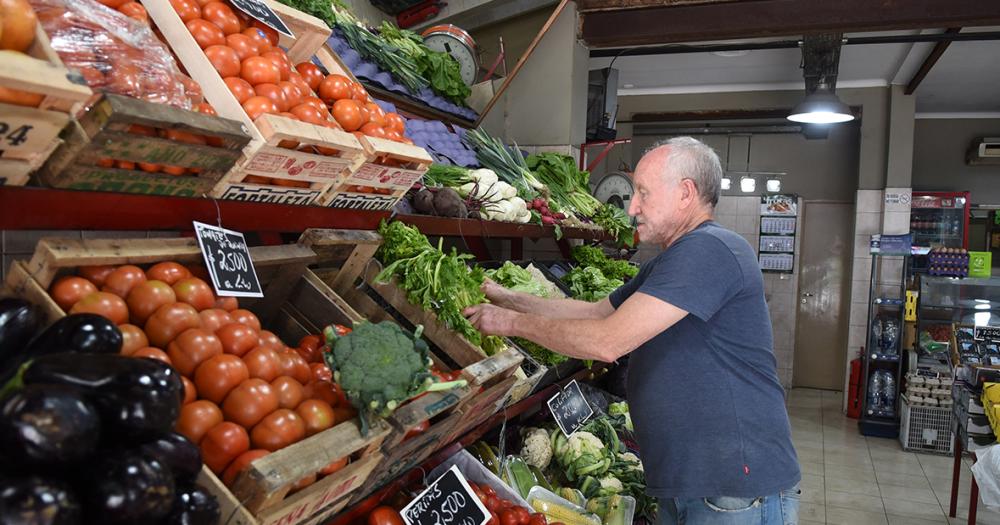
633	206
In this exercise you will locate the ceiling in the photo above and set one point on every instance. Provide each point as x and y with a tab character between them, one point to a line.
966	79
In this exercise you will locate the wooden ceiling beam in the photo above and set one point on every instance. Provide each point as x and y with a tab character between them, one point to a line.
684	21
929	62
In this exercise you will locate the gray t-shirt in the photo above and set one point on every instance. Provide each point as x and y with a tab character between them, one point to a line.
708	408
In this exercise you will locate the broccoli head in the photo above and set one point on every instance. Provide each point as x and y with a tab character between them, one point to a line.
380	366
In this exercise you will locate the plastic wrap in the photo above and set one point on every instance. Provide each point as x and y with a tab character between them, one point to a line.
115	53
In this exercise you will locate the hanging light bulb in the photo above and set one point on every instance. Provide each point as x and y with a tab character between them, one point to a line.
727	183
773	184
748	184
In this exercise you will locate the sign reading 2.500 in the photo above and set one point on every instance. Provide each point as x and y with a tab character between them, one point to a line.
228	260
447	501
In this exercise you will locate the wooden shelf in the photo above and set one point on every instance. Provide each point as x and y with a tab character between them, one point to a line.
416	108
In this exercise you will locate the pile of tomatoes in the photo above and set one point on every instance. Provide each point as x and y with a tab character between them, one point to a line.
502	511
246	393
17	33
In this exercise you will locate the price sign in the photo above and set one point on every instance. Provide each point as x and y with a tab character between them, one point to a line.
263	12
987	333
447	501
228	260
570	409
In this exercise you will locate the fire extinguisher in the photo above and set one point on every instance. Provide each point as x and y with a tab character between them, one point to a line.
854	393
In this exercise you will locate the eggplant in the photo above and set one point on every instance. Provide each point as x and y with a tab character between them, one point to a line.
138	399
48	425
178	453
19	322
85	333
193	505
127	487
35	500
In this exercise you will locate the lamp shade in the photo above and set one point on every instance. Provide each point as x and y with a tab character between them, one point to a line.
821	107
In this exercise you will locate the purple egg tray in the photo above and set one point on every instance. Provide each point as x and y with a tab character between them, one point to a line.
370	72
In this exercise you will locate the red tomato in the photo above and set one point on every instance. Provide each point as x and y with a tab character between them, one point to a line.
221	15
334	88
281	60
263	363
259	70
375	114
240	464
537	518
292	364
241	89
191	348
508	517
292	92
135	11
244	45
227	303
102	303
311	342
271	34
522	515
96	274
278	430
153	353
197	418
190	391
249	402
121	281
290	391
394	122
321	372
311	73
393	136
206	33
269	340
348	114
187	9
195	292
68	290
237	339
300	83
359	93
373	130
219	375
133	338
169	321
146	298
309	113
246	317
335	466
168	272
258	105
224	59
213	318
384	515
222	444
263	44
275	93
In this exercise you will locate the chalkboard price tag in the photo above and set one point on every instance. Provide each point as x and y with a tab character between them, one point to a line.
263	12
987	333
570	409
228	261
447	501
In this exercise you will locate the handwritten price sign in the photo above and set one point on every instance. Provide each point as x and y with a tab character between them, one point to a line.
447	501
227	258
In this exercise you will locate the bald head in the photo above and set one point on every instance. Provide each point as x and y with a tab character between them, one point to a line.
688	158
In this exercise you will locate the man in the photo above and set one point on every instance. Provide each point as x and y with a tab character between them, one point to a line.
703	390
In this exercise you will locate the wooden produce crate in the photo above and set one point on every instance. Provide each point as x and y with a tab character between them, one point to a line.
332	63
28	135
266	172
310	32
379	183
296	302
103	133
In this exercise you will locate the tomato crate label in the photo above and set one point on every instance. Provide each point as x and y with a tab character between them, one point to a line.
263	13
357	201
394	177
108	179
447	501
228	260
570	409
270	194
24	131
297	166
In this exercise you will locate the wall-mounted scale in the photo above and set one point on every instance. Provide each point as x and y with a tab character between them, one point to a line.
457	43
615	188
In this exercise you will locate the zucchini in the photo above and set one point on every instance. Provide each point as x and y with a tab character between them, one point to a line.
520	476
540	478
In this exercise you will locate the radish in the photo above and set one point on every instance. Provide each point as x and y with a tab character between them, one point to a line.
548	221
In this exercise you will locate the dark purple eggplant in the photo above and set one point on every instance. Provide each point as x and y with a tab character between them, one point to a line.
48	425
35	500
193	505
84	333
177	452
138	399
127	487
19	322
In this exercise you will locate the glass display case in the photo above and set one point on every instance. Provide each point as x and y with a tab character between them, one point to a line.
940	219
971	307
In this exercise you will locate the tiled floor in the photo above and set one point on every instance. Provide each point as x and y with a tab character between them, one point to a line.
851	479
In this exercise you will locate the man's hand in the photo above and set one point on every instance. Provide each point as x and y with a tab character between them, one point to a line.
497	294
491	319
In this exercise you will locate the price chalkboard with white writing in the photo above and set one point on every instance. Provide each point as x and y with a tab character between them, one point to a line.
987	333
263	12
448	501
570	409
228	261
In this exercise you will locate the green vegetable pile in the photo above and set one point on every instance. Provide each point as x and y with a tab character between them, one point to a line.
519	279
587	283
568	186
443	175
611	268
509	165
440	69
381	366
437	281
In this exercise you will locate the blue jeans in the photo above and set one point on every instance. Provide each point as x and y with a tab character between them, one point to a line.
777	509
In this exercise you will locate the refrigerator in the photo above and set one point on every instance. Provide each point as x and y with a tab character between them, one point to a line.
940	219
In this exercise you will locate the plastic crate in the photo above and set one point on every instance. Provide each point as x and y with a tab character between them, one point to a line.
926	429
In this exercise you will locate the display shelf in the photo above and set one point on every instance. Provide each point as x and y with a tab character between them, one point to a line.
49	209
413	107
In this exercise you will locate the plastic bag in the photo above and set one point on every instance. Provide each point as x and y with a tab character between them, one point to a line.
115	53
987	472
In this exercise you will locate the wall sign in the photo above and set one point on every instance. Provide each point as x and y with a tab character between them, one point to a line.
263	13
570	409
447	501
228	261
987	333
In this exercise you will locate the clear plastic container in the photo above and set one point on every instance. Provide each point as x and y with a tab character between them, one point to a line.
559	509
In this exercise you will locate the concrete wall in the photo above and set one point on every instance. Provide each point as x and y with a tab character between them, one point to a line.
939	147
364	10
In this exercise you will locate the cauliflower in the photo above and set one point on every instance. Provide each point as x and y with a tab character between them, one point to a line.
585	442
629	457
611	485
537	450
583	454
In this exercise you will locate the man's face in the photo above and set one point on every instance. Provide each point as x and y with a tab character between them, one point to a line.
658	200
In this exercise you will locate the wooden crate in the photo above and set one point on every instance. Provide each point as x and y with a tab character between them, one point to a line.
347	252
103	133
378	184
331	62
266	172
310	32
28	135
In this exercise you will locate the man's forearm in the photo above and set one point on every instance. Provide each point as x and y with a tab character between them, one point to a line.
554	308
579	338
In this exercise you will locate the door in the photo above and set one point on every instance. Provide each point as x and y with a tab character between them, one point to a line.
824	301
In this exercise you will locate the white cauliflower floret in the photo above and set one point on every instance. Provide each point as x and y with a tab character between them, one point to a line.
581	442
537	450
610	484
629	457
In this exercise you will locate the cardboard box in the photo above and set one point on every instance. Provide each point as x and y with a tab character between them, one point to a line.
980	264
